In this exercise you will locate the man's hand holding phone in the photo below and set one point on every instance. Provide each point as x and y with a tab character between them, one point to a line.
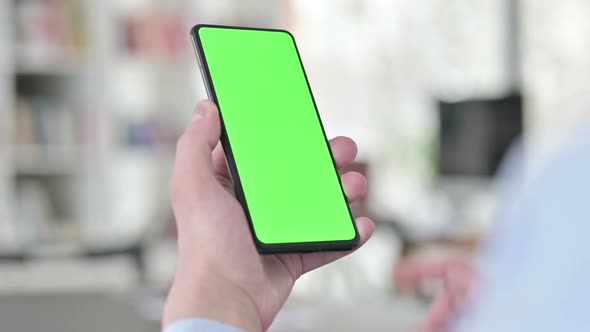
220	274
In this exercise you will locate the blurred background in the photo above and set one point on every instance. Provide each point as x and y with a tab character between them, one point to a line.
94	94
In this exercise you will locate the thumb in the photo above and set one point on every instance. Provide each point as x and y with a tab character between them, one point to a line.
193	169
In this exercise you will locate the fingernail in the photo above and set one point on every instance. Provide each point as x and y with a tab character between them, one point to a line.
201	112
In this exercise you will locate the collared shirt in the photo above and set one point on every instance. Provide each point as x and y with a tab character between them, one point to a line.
535	272
200	325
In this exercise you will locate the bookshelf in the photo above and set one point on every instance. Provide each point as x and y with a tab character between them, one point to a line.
41	146
8	244
93	95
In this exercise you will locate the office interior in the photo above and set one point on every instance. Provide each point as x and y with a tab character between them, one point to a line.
94	95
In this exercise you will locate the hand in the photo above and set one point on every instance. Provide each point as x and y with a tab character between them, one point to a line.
219	273
458	278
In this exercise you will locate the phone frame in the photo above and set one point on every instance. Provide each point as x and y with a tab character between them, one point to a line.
264	248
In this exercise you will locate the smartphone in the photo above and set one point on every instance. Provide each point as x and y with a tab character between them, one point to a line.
276	149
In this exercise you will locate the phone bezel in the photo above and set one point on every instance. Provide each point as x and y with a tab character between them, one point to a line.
264	248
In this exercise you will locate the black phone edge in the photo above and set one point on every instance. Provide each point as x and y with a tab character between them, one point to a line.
283	248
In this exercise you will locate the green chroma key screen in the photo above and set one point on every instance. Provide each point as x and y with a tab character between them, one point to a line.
283	162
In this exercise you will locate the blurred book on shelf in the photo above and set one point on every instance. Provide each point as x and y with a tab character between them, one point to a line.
49	32
33	210
152	132
9	236
46	211
156	36
45	130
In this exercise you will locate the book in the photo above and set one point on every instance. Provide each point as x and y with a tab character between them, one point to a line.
49	32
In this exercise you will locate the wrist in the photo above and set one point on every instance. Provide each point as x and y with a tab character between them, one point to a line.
211	297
